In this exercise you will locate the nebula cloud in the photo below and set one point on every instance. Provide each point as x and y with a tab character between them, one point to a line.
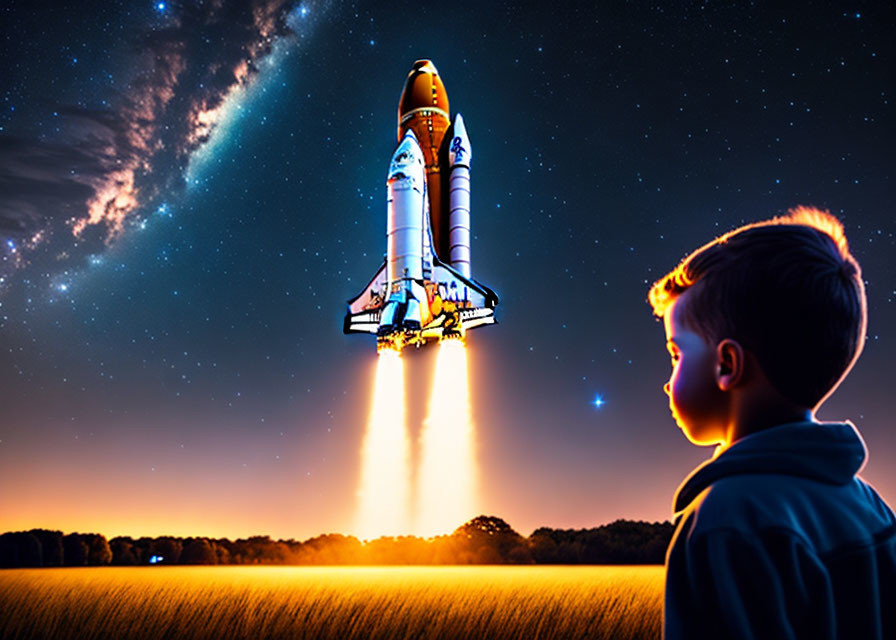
85	184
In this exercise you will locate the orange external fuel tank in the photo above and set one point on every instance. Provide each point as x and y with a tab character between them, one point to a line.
423	108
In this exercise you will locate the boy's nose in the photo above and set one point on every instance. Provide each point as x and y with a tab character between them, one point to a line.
666	388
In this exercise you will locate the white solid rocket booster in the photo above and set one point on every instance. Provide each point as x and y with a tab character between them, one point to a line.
459	156
406	191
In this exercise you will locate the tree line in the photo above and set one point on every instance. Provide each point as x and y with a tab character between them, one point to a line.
482	540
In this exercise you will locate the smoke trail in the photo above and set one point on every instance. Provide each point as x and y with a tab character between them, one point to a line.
383	493
447	475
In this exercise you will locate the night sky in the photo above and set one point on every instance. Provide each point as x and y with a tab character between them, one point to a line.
190	191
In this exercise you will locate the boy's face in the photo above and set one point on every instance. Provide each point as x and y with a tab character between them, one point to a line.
698	405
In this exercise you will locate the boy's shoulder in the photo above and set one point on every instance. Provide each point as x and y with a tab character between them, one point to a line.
817	514
751	501
797	479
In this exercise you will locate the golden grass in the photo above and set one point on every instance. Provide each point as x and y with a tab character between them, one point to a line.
332	602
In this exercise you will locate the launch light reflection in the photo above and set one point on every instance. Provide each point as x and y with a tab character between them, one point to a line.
447	474
383	493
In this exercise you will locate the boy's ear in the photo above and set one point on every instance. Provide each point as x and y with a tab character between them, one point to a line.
729	364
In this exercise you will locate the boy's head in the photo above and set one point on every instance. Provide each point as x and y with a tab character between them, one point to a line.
786	290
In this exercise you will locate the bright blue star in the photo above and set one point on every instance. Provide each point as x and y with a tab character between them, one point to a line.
161	6
599	401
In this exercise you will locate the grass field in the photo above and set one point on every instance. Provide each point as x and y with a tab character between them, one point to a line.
332	602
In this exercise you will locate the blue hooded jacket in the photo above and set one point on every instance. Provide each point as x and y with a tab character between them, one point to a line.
777	538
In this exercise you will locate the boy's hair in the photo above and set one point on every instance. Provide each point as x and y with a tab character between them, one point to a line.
788	290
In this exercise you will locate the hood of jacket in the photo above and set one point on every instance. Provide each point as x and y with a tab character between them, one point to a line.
831	452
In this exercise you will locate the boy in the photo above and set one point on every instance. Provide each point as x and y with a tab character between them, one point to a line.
776	536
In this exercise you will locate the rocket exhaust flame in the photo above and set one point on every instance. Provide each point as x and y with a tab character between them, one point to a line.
383	497
447	474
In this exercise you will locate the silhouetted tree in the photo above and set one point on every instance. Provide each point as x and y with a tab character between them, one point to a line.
482	540
123	552
263	550
50	546
222	551
331	548
198	551
620	542
98	552
74	550
490	540
167	548
543	547
143	549
20	549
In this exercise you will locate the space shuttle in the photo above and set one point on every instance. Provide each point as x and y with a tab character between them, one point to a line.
424	290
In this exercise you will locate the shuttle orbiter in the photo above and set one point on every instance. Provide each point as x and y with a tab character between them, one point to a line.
424	289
